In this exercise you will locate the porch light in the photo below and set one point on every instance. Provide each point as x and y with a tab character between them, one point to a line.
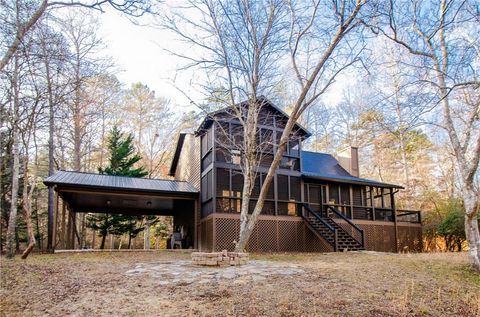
109	202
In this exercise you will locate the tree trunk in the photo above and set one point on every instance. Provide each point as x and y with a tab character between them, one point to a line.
27	209
102	245
12	220
51	151
471	227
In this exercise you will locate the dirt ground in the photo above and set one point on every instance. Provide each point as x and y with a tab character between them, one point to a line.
342	284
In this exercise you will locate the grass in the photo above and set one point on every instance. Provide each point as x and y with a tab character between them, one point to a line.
334	284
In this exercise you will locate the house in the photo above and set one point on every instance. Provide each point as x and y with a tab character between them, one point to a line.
316	203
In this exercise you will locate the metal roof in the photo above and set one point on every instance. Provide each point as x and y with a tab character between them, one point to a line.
325	167
92	180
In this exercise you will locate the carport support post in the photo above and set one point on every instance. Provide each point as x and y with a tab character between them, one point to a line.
51	222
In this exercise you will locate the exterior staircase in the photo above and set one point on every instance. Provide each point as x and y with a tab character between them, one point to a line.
332	232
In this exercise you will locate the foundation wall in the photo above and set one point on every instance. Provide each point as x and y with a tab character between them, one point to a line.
291	234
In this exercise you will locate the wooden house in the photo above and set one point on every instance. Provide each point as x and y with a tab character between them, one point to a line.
317	202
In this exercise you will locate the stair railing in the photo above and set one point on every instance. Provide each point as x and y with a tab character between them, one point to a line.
326	224
354	226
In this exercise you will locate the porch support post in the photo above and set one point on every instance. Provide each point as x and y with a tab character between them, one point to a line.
394	212
372	202
63	223
196	215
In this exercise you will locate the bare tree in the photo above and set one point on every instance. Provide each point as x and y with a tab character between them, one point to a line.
444	37
32	13
242	44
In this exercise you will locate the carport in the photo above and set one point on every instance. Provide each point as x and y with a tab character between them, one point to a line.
77	192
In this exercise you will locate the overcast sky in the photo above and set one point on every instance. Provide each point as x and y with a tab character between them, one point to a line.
140	55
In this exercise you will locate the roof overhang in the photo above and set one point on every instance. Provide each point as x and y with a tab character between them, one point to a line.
350	180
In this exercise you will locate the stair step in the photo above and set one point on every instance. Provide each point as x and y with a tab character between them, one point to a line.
345	241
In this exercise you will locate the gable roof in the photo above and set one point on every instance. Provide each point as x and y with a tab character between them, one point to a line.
102	181
324	166
209	118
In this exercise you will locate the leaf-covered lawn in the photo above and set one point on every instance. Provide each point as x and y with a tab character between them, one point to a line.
343	284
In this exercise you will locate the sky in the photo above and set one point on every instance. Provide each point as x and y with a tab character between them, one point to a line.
140	55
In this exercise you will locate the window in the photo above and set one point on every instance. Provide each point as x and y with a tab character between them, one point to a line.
294	147
237	184
256	186
282	187
207	160
223	205
222	155
345	194
207	186
266	140
271	189
236	157
333	194
357	195
286	163
236	205
222	134
266	160
268	208
223	182
314	194
295	188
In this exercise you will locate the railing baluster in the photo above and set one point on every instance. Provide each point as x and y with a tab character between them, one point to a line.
354	226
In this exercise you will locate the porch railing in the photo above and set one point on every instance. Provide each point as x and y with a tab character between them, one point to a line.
307	212
373	213
412	216
354	227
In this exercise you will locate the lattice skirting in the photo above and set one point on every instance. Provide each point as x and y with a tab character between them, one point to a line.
291	234
271	234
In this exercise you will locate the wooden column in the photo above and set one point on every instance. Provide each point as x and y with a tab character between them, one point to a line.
394	212
69	236
51	224
63	223
54	226
351	201
196	218
372	202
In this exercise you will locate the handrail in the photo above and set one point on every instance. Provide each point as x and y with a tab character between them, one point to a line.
360	230
326	224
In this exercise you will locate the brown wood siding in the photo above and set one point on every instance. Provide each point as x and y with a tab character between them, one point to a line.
188	168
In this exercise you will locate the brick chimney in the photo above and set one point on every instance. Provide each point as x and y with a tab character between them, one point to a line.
348	159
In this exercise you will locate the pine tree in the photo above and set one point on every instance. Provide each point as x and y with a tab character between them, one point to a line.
122	156
122	161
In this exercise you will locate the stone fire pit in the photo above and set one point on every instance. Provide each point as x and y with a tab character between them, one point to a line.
220	258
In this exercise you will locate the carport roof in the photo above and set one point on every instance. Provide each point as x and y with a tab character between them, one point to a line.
109	182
